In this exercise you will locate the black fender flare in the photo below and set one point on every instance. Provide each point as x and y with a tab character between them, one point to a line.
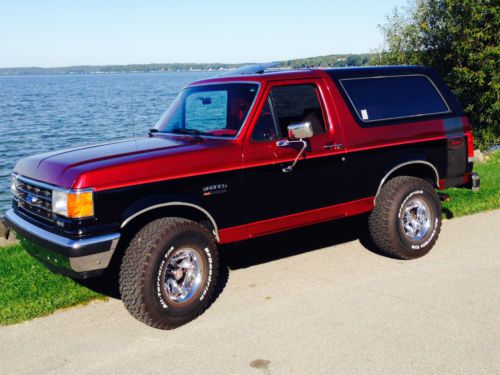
165	200
406	160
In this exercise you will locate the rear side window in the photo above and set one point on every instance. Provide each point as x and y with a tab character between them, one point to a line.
387	98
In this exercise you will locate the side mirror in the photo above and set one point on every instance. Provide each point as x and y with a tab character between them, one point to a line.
297	132
300	130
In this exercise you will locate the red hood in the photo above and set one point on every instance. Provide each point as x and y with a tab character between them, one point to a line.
129	162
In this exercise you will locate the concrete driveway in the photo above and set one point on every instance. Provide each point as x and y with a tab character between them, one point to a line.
295	304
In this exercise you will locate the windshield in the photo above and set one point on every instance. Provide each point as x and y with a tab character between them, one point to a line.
217	110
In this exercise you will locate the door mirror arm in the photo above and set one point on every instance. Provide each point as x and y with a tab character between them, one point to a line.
296	132
287	143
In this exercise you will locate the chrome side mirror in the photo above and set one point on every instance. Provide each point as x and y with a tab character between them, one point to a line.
296	134
300	130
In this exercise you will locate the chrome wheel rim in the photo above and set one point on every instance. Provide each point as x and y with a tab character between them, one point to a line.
183	275
416	219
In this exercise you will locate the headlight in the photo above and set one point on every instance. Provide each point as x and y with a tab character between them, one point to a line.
13	184
73	204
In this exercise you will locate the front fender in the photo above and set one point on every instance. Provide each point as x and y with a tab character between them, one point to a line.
162	201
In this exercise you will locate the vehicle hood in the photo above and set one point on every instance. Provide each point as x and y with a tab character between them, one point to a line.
125	162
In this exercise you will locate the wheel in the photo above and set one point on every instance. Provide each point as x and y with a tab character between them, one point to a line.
406	220
168	273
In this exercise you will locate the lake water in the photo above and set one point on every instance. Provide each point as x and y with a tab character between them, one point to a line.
46	113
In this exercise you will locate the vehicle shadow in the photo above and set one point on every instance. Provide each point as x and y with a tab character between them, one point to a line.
448	214
298	241
262	250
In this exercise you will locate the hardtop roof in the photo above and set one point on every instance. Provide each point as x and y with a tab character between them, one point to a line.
335	73
375	71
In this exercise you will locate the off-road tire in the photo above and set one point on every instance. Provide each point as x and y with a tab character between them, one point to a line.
385	223
142	264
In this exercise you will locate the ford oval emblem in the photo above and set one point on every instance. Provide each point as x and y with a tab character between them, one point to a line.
32	199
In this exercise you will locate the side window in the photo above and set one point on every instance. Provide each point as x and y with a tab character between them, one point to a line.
265	128
296	103
386	98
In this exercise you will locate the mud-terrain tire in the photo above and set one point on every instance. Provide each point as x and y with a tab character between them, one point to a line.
169	272
406	220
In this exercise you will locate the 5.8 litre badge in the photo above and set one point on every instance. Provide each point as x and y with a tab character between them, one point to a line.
214	189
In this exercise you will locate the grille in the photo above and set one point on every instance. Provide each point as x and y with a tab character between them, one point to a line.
34	199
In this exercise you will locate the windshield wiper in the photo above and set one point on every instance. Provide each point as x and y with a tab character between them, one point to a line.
195	133
153	130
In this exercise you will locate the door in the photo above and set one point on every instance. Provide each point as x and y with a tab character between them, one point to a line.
318	178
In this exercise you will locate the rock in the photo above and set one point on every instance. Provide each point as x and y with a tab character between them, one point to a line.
3	241
492	149
478	156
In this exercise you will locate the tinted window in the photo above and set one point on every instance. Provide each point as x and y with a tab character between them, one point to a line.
297	103
393	97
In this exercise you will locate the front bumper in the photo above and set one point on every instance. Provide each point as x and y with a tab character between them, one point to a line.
81	258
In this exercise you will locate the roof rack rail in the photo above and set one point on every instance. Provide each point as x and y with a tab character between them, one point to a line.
250	69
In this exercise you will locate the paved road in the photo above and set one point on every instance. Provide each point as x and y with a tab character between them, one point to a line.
330	310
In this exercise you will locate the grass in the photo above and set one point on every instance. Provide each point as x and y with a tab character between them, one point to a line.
465	202
29	290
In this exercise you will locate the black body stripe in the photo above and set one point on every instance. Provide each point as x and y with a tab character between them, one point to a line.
264	192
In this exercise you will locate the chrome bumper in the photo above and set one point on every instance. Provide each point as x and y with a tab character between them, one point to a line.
476	182
79	258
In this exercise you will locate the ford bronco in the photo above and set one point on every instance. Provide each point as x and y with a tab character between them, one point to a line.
240	156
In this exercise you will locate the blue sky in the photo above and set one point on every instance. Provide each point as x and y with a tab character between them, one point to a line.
60	33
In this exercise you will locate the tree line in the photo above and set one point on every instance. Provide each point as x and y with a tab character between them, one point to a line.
461	39
320	61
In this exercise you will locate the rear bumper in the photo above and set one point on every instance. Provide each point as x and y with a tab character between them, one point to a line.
472	182
81	258
475	183
467	181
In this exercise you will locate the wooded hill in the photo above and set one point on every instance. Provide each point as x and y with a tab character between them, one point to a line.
319	61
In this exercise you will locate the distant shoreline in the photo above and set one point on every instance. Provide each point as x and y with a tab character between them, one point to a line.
319	61
71	71
103	73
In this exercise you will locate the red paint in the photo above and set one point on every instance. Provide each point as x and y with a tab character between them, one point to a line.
466	178
470	144
466	124
394	144
456	142
132	162
219	132
261	228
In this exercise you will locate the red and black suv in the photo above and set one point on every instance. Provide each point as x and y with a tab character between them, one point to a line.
241	156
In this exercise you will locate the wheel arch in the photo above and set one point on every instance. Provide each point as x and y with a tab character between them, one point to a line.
416	168
168	205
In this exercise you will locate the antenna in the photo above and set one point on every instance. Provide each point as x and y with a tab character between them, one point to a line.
133	116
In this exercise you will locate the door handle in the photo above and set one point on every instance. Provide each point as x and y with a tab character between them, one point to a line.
334	146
